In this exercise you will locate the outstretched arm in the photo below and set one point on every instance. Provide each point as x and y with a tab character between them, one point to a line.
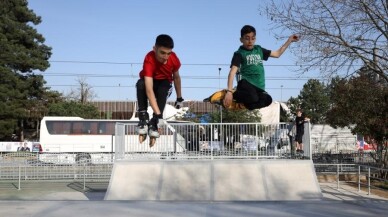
280	51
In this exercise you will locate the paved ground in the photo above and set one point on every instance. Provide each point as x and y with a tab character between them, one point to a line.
71	199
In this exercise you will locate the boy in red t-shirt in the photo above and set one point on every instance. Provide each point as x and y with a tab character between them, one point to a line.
160	69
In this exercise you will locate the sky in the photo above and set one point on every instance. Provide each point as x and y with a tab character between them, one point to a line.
104	43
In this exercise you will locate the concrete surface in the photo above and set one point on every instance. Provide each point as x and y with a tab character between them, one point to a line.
64	199
214	180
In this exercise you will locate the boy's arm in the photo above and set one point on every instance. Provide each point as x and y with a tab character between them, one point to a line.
280	51
177	84
229	96
232	74
151	95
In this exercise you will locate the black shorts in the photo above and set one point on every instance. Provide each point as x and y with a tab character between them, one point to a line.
299	138
251	96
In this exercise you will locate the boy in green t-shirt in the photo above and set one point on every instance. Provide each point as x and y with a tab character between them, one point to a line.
248	60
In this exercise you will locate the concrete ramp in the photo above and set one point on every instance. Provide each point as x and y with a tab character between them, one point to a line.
213	180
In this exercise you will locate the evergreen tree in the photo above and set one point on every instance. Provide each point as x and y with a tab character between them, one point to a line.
22	52
72	108
314	100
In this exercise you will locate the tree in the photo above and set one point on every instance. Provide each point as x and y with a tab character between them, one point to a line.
83	94
362	105
336	36
71	108
293	104
22	48
314	100
22	52
240	116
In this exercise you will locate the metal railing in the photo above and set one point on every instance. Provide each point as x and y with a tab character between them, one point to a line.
25	167
361	176
358	173
37	171
210	141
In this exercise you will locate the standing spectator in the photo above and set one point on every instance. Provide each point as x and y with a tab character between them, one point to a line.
299	123
291	134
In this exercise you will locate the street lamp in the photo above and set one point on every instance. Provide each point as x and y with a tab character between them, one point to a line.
219	87
281	93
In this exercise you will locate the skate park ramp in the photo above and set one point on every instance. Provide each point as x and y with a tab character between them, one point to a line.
213	180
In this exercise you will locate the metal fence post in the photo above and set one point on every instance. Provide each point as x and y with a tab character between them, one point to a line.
359	179
338	176
210	143
369	181
74	172
20	173
257	145
84	176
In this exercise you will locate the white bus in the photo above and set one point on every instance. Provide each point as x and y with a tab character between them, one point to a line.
74	139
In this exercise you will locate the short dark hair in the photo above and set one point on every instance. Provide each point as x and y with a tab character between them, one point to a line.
164	40
247	29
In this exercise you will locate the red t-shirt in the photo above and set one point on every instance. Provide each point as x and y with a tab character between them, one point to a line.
159	71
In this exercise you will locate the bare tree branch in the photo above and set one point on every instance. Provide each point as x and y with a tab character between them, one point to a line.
83	93
338	37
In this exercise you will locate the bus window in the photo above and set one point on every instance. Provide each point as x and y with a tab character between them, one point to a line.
93	127
86	127
58	127
50	127
106	128
101	128
110	128
77	128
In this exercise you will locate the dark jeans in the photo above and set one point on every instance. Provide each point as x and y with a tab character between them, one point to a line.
161	90
251	96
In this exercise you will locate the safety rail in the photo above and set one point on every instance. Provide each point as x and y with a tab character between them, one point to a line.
36	171
360	175
210	141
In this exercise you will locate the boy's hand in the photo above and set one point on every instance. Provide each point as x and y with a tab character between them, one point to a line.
228	99
179	103
294	38
155	119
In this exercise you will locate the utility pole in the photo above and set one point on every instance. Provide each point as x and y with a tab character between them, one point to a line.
219	88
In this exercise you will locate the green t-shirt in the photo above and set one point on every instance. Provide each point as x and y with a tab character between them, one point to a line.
251	67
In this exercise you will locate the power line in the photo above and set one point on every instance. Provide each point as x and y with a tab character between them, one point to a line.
133	86
182	76
184	64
